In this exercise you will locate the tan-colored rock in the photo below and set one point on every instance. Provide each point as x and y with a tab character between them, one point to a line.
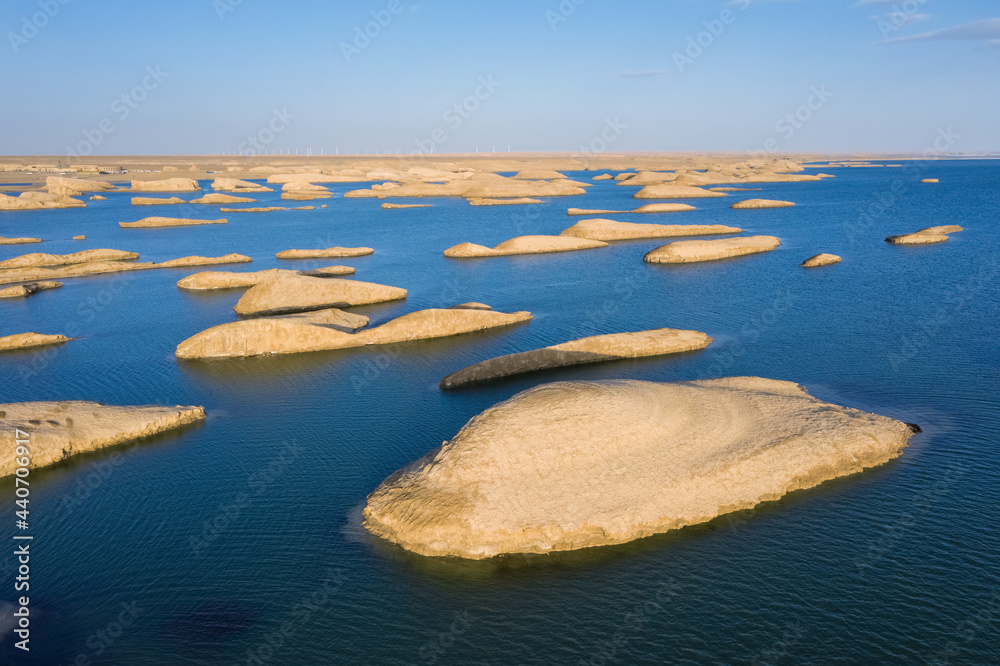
475	186
594	349
210	280
602	176
930	180
471	306
305	195
574	465
524	245
220	198
392	206
685	252
84	256
761	203
314	332
671	191
156	222
39	201
26	341
664	208
166	185
593	211
156	201
296	293
18	241
323	254
236	185
926	236
79	238
734	189
504	202
329	271
818	260
205	261
58	430
28	289
98	197
75	186
538	174
37	273
610	230
259	209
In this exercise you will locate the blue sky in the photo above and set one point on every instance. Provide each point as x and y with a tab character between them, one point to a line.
202	76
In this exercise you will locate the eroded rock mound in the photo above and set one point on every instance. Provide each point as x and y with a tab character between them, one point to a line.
684	252
326	253
524	245
926	236
59	430
761	203
84	256
296	293
18	241
156	222
818	260
26	341
166	185
219	198
573	465
28	289
156	201
594	349
672	191
205	261
610	230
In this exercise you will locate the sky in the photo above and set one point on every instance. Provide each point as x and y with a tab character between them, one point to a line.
82	77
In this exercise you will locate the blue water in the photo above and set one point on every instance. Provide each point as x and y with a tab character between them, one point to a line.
893	566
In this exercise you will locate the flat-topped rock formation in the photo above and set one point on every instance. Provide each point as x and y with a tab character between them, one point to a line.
594	349
156	222
926	236
685	252
205	261
39	201
504	202
734	189
295	293
237	185
930	180
538	174
602	176
663	208
593	211
574	465
818	260
166	185
473	186
220	198
304	191
211	280
761	203
75	186
62	429
156	201
18	241
392	206
98	197
327	253
610	230
334	329
472	306
258	209
28	340
79	238
23	290
523	245
84	256
39	273
671	191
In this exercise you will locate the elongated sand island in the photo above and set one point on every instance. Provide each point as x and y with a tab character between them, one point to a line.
334	329
166	185
671	191
28	340
668	207
523	245
573	465
330	252
927	236
18	241
298	293
213	198
818	260
23	290
751	204
594	349
692	251
156	201
58	430
156	222
84	256
195	260
212	280
609	230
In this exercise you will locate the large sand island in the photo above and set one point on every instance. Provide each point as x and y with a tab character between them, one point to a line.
579	464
